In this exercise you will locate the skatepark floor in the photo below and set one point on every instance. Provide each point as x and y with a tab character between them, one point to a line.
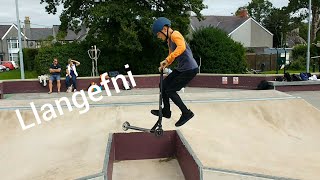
156	169
234	132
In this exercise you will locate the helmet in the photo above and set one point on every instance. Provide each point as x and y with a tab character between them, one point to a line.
159	23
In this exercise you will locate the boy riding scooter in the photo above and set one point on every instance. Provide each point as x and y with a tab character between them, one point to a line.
185	71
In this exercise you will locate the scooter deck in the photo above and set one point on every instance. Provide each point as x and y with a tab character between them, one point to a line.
157	128
138	128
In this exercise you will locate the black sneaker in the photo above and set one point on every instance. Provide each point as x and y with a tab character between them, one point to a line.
166	114
185	117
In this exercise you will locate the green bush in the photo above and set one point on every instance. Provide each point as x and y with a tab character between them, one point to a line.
144	61
301	51
298	63
218	52
29	56
110	58
63	53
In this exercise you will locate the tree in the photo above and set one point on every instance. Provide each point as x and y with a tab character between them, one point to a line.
300	8
118	22
279	23
122	28
258	10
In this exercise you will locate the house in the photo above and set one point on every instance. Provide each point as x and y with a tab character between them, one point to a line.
9	44
31	38
242	29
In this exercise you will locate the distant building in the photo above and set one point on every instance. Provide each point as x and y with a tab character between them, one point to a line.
31	38
241	28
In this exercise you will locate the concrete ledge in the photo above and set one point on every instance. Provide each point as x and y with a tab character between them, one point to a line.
285	86
294	83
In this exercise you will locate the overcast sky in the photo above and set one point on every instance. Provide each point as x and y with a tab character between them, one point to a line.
39	18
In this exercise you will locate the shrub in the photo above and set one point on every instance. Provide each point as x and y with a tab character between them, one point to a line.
63	53
29	56
298	63
218	52
301	51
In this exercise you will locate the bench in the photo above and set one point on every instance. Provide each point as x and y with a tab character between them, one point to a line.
309	85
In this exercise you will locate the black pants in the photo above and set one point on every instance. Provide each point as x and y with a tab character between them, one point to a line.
174	82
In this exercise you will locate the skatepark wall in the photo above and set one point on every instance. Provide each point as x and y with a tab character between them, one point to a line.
236	81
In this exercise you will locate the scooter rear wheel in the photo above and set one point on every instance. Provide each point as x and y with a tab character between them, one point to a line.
159	132
125	126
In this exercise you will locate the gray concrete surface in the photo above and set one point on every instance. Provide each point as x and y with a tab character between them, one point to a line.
239	130
312	97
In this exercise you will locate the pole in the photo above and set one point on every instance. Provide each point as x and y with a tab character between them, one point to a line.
92	62
24	39
19	39
309	32
277	62
200	65
285	61
96	59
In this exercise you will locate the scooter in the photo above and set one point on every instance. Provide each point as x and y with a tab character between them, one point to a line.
157	128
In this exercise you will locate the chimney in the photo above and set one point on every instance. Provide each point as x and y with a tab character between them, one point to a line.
27	27
243	13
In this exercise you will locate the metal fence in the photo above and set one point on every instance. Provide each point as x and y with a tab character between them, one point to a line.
266	62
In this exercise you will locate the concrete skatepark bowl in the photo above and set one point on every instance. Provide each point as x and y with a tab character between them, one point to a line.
235	134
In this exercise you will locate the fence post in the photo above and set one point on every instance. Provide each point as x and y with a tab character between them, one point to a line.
255	62
270	62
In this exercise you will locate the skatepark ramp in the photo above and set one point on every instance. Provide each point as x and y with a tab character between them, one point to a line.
234	135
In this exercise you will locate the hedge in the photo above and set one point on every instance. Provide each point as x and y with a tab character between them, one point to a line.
218	52
29	55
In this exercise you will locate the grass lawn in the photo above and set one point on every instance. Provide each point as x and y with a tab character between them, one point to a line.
15	74
289	71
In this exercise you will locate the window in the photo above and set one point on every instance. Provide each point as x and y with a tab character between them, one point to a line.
38	44
13	44
13	56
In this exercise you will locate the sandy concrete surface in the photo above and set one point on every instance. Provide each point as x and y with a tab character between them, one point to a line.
277	138
147	169
211	175
67	147
237	130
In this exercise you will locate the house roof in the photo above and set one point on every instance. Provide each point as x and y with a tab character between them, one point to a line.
40	33
225	23
6	30
3	30
71	35
43	33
